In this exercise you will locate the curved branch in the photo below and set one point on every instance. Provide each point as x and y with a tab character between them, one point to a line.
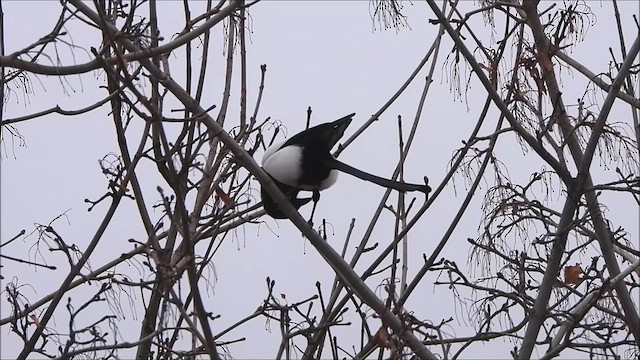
11	61
58	110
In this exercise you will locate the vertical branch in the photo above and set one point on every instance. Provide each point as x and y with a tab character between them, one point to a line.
205	190
148	325
189	126
400	221
227	80
402	212
254	117
243	69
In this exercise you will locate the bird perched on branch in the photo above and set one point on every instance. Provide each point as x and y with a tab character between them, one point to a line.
304	162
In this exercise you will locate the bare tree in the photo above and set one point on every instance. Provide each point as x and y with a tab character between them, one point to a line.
524	282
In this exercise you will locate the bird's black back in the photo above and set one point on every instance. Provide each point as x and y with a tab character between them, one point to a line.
316	143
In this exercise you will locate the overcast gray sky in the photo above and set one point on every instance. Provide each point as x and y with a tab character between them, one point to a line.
323	54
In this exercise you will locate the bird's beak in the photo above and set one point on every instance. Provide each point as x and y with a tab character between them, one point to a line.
340	125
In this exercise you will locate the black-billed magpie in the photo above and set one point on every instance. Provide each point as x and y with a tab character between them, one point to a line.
304	162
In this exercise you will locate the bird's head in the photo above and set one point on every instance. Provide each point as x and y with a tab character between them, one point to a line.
330	133
321	137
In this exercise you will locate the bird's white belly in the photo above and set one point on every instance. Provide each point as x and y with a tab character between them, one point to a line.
284	164
271	150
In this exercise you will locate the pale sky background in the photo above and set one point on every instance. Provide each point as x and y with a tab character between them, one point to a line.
320	54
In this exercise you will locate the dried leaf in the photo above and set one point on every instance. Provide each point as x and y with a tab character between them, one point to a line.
572	274
228	201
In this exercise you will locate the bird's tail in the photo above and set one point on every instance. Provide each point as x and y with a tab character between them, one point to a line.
396	185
